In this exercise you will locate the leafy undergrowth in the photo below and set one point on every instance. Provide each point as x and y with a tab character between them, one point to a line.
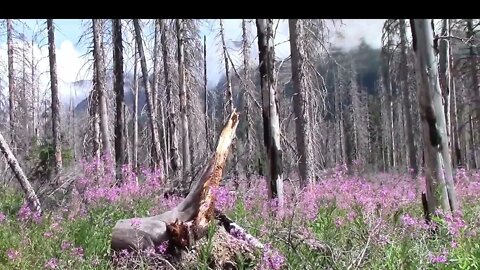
341	222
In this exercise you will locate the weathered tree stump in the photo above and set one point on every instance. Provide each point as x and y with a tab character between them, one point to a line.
186	225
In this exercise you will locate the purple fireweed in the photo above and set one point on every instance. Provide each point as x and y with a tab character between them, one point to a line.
271	259
2	217
52	264
13	255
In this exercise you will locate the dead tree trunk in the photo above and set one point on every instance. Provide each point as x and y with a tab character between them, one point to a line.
57	140
246	93
300	100
475	91
207	135
457	155
438	172
94	117
229	93
34	95
119	96
411	149
20	175
174	158
135	112
183	99
150	97
100	82
271	123
186	222
444	78
11	84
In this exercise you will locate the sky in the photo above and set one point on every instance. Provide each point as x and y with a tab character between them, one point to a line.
72	56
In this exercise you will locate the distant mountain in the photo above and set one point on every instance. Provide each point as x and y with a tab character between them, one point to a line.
82	106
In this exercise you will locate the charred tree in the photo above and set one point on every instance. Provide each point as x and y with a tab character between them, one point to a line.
271	123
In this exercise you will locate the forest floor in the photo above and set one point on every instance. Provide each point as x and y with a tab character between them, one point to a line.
341	222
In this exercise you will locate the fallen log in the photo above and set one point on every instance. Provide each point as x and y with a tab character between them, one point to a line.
188	222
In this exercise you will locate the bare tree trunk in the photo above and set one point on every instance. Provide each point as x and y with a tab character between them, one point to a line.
444	73
20	175
165	153
128	144
475	90
300	100
440	188
246	92
207	135
388	89
183	99
34	96
153	118
135	112
57	140
119	96
171	118
100	84
271	123
411	149
229	93
155	82
11	84
93	108
457	156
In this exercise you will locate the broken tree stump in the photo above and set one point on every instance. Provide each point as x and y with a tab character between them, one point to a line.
187	223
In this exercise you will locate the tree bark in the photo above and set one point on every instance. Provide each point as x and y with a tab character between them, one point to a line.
93	110
475	91
174	158
411	149
100	82
135	112
150	97
207	135
457	155
183	99
57	140
229	93
438	172
246	92
34	95
20	175
271	123
11	84
119	96
300	100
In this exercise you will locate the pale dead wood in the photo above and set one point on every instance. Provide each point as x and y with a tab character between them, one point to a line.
187	221
20	175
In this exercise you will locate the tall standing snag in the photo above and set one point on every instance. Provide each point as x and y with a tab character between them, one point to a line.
57	142
271	123
150	97
300	99
119	95
180	28
11	83
191	216
438	171
100	82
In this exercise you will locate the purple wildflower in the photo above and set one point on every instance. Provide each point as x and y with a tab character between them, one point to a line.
13	254
51	264
2	217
